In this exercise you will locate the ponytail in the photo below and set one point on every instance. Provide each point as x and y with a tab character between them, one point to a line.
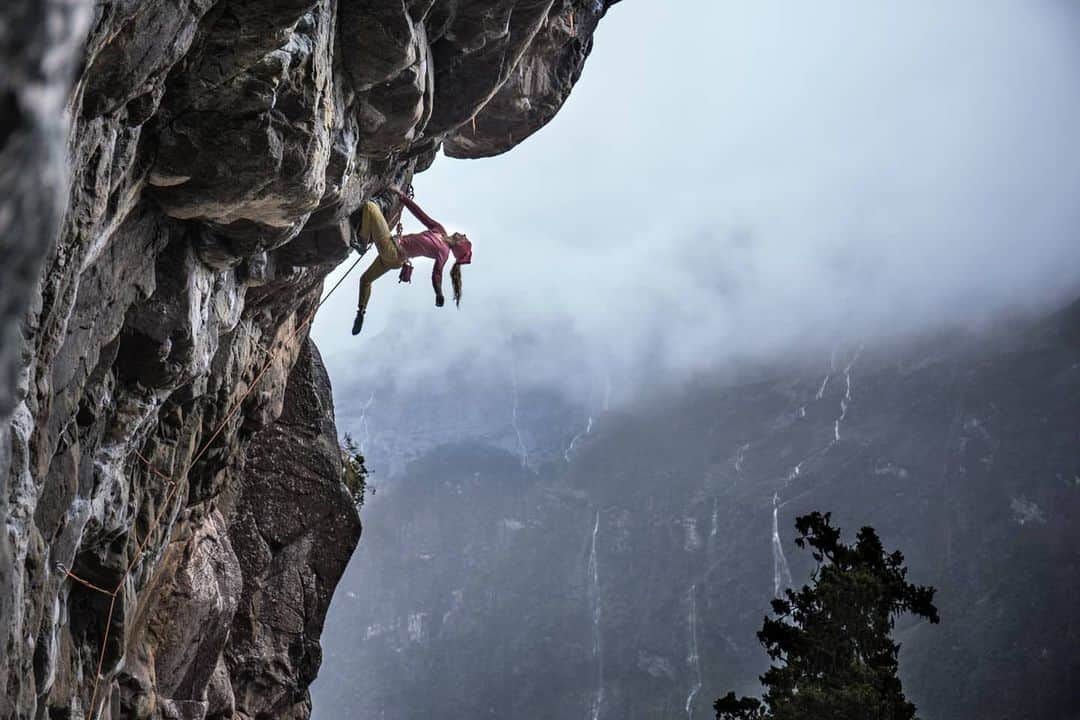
455	280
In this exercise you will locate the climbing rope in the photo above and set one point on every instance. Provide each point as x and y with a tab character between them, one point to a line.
399	231
173	481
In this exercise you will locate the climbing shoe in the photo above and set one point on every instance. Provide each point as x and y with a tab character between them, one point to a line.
358	323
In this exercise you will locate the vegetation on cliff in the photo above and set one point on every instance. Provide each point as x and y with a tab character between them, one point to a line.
354	472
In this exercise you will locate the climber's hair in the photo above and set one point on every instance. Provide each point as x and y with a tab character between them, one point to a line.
461	259
455	280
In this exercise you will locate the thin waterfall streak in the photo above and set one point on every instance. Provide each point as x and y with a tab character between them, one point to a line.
821	390
577	438
781	573
693	657
794	474
522	449
593	573
364	423
740	456
854	358
845	401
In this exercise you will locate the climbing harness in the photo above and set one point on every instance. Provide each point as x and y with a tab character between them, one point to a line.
173	482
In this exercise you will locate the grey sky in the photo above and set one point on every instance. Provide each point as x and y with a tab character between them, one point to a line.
734	179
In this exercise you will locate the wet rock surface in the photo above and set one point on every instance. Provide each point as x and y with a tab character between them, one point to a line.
165	243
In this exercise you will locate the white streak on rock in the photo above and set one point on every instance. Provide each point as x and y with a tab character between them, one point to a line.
781	573
693	658
592	572
821	390
523	451
577	438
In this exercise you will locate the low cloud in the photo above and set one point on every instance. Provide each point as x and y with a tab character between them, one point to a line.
732	183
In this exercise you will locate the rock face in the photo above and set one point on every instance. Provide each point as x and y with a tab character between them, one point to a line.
164	250
40	42
294	531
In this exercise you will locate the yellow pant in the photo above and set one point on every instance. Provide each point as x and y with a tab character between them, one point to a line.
373	229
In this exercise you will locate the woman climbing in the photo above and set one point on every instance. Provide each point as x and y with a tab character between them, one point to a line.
434	243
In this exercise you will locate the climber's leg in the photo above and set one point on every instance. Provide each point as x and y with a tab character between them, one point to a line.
373	229
378	268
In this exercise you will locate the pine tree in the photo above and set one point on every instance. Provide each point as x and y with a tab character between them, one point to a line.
830	643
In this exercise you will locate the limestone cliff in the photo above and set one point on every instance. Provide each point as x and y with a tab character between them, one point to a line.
176	181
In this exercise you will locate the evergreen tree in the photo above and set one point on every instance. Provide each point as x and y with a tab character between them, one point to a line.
833	656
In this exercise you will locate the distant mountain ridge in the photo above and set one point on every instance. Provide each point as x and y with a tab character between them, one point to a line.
628	583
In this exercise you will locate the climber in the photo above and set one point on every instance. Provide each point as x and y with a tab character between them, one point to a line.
434	243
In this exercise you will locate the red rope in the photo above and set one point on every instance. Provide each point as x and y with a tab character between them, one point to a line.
63	568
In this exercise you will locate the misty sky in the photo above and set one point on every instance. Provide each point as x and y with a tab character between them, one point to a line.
735	180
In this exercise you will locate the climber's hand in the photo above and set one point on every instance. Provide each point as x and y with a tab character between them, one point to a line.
439	301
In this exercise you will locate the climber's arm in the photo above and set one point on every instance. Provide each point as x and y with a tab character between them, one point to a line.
436	277
420	215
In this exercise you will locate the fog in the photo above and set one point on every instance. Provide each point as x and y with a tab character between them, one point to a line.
739	181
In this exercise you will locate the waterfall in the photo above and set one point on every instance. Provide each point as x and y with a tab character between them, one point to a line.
574	440
364	424
523	451
845	401
781	573
794	474
821	390
740	456
693	659
593	577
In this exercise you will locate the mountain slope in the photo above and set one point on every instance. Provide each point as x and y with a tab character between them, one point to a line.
630	583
